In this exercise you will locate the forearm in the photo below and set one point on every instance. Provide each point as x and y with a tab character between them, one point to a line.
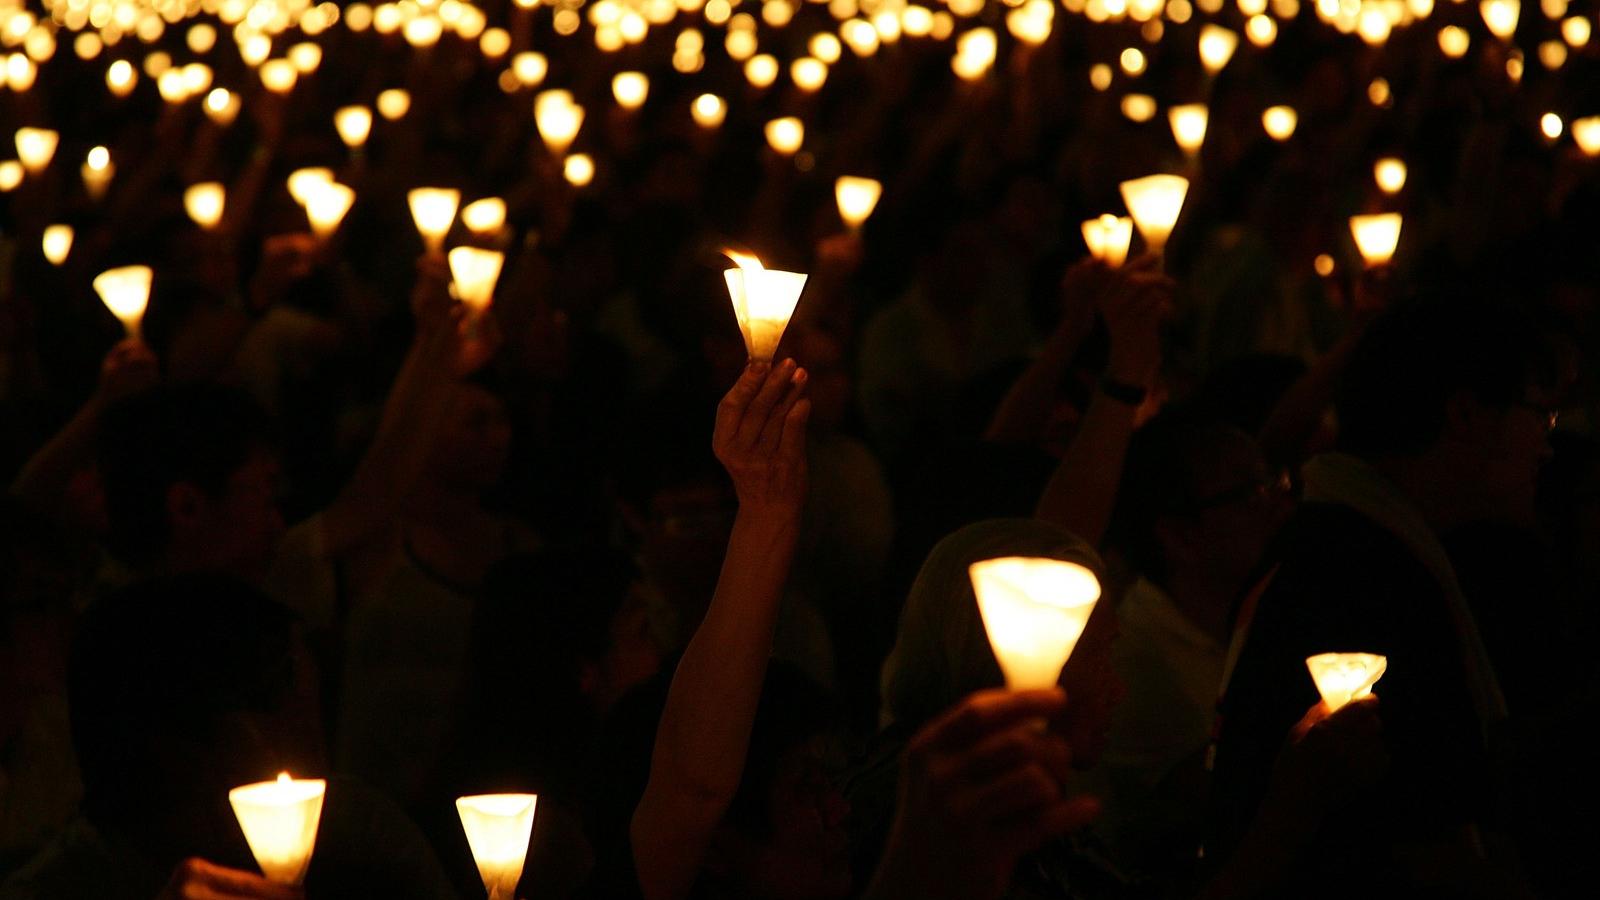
1025	408
42	482
1083	490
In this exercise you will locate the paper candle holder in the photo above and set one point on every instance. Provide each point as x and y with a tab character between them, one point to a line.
1216	47
354	124
1155	202
630	89
303	182
126	292
279	819
558	119
36	147
1279	122
484	217
1376	237
1108	237
785	135
498	827
205	202
434	211
475	272
763	302
857	198
1342	677
1189	126
57	243
1034	610
326	206
708	110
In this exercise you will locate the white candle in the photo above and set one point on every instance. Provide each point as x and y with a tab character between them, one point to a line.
279	820
763	302
1034	610
1342	677
126	292
498	827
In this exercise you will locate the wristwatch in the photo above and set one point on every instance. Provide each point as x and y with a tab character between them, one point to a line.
1121	391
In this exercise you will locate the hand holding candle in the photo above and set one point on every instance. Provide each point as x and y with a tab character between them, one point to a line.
1155	202
280	820
763	301
498	827
1107	238
126	292
1034	610
475	272
1376	237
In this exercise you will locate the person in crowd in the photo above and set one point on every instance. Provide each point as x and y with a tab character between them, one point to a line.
1444	410
181	688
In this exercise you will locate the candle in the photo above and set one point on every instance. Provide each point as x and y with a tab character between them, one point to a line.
57	243
222	106
126	292
785	135
1501	17
1342	677
279	75
1107	238
1586	134
708	110
761	71
204	203
1188	126
529	68
1155	202
763	302
630	89
394	103
354	124
326	205
857	198
121	76
808	74
1034	610
1454	41
1376	237
11	173
484	217
1279	122
305	57
97	172
1390	174
35	147
1216	47
279	820
434	211
475	272
498	827
558	119
578	169
303	181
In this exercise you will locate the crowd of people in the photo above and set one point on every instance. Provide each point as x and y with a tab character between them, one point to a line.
320	517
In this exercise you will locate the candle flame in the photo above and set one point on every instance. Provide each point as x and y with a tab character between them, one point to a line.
744	261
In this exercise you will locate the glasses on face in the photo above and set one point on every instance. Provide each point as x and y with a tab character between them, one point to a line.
1550	414
1267	488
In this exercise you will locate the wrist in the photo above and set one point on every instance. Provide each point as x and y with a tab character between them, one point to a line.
1131	393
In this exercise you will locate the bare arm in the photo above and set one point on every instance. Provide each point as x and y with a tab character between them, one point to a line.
705	728
1025	408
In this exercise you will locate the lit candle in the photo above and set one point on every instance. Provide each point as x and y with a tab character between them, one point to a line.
354	124
57	243
35	147
1376	237
1279	122
204	203
785	135
1342	677
578	169
279	75
11	173
1034	611
305	57
484	217
222	106
303	181
1216	47
97	172
708	110
529	68
808	74
475	272
121	76
1501	17
126	292
1155	202
857	198
498	827
1188	126
279	820
630	89
1107	238
761	71
434	211
394	103
1586	134
1390	174
326	205
763	302
558	119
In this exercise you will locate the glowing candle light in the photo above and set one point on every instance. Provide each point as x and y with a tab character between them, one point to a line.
279	75
1576	31
11	173
279	820
434	211
20	71
97	171
1342	677
121	77
578	169
1551	125
1454	41
1188	126
1279	122
785	135
1261	30
204	202
222	106
1390	174
1155	201
1139	107
326	205
529	68
1376	237
196	78
498	827
302	182
808	74
1108	237
201	38
57	243
305	57
630	89
126	292
475	272
172	86
494	43
423	31
1216	47
484	217
1586	134
1031	22
1323	264
761	71
857	198
975	53
394	103
1501	17
763	302
36	147
558	119
354	124
708	110
825	46
1034	610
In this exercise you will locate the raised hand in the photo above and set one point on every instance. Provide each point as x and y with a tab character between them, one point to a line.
760	436
196	879
980	787
1135	304
129	368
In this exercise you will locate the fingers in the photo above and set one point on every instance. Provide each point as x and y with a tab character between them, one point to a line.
1058	818
792	444
773	389
197	879
731	411
1014	794
777	420
986	712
